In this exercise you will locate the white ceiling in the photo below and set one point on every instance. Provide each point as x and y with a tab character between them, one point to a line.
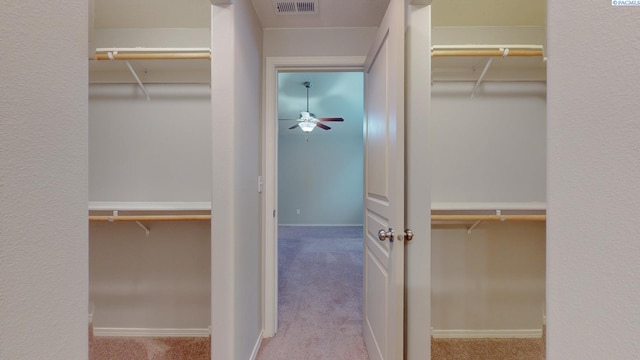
331	13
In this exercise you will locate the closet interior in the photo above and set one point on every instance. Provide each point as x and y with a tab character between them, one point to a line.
488	179
149	171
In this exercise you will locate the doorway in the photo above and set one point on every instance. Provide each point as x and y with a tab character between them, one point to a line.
319	211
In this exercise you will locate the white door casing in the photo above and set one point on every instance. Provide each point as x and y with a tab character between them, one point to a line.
270	181
418	205
383	288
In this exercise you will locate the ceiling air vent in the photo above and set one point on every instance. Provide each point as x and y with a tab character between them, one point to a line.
295	7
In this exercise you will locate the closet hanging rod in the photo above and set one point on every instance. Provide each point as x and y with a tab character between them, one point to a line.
486	50
488	217
112	218
152	54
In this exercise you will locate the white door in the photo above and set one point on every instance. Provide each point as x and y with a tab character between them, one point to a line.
384	189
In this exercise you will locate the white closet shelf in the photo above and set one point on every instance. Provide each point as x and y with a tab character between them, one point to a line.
498	211
488	206
150	65
148	206
470	217
487	50
152	54
508	62
136	218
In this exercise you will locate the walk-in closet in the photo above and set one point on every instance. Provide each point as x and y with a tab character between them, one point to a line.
488	180
150	181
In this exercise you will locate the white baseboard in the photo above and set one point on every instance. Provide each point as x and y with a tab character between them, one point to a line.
146	332
319	224
487	334
256	348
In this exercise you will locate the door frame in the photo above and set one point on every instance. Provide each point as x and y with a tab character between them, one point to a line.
418	205
273	66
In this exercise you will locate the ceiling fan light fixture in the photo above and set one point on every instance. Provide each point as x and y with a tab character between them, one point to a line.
307	126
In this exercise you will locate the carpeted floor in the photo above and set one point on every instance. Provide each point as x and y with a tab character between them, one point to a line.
134	348
320	295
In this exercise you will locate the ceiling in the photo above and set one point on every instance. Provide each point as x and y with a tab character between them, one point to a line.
331	13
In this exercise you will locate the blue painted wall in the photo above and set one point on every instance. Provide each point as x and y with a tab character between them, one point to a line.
321	173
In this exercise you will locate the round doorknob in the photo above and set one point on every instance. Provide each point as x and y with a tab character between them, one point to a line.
384	235
408	234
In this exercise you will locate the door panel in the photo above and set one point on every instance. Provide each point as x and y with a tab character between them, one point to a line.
384	189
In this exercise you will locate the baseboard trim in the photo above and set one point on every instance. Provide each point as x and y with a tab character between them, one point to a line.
147	332
256	347
487	334
318	225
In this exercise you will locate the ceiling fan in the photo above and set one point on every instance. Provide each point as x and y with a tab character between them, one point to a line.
308	121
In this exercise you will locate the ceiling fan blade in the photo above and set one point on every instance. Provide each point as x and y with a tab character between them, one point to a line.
288	119
293	127
322	126
330	119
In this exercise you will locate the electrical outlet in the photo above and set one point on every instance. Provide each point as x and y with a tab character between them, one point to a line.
298	211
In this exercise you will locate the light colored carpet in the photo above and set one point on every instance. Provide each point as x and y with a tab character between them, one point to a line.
481	349
134	348
320	295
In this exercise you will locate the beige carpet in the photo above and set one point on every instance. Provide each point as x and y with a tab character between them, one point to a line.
139	348
482	349
320	295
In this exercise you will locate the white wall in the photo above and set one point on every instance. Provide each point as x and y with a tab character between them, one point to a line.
43	181
318	42
493	279
321	173
235	242
156	150
488	149
150	150
491	148
158	282
594	186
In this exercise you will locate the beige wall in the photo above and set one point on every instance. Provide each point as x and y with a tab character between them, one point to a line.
141	151
43	181
491	149
593	183
318	42
235	243
158	282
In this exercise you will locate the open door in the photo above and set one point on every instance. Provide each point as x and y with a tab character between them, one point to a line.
384	189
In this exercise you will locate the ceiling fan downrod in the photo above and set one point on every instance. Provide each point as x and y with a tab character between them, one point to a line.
307	84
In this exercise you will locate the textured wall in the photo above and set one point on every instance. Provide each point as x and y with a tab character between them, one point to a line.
43	178
235	241
156	150
318	42
593	181
491	148
159	282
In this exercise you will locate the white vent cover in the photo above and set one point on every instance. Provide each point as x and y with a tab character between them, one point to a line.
283	7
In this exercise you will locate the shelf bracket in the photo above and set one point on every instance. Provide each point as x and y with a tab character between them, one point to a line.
505	53
484	71
473	227
135	76
146	229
